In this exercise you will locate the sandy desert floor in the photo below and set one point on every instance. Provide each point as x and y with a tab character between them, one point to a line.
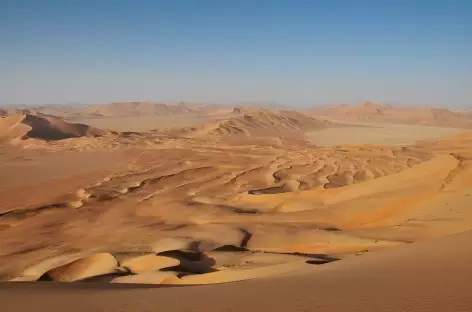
280	223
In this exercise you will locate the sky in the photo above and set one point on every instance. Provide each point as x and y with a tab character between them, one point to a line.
293	52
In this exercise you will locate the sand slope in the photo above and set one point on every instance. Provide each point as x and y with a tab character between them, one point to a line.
260	122
427	276
41	127
136	109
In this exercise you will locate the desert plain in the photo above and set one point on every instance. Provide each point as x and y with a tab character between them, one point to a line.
185	207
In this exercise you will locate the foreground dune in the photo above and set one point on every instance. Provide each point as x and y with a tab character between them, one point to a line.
426	276
15	127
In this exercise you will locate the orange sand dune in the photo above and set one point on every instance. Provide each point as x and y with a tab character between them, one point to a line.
260	122
427	276
42	127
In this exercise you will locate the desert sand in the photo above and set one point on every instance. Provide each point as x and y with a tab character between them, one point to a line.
144	220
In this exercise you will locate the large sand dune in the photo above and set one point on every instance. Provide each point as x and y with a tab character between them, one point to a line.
258	123
15	127
286	226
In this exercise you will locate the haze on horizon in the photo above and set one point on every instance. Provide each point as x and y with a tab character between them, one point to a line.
291	52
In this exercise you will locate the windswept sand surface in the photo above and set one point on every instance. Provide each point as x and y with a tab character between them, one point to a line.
272	222
380	133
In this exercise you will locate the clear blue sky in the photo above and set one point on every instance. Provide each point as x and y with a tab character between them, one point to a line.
292	52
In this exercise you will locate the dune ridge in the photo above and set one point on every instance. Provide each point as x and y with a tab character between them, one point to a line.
260	122
376	112
392	280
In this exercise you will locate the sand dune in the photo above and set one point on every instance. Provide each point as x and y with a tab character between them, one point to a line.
397	279
130	109
136	109
82	268
48	128
143	123
394	114
12	127
258	123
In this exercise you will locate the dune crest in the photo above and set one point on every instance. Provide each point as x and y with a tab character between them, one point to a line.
48	128
259	123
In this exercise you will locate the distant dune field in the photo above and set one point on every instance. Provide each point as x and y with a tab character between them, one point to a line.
379	133
143	123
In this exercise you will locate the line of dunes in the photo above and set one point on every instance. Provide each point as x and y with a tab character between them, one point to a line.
395	114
